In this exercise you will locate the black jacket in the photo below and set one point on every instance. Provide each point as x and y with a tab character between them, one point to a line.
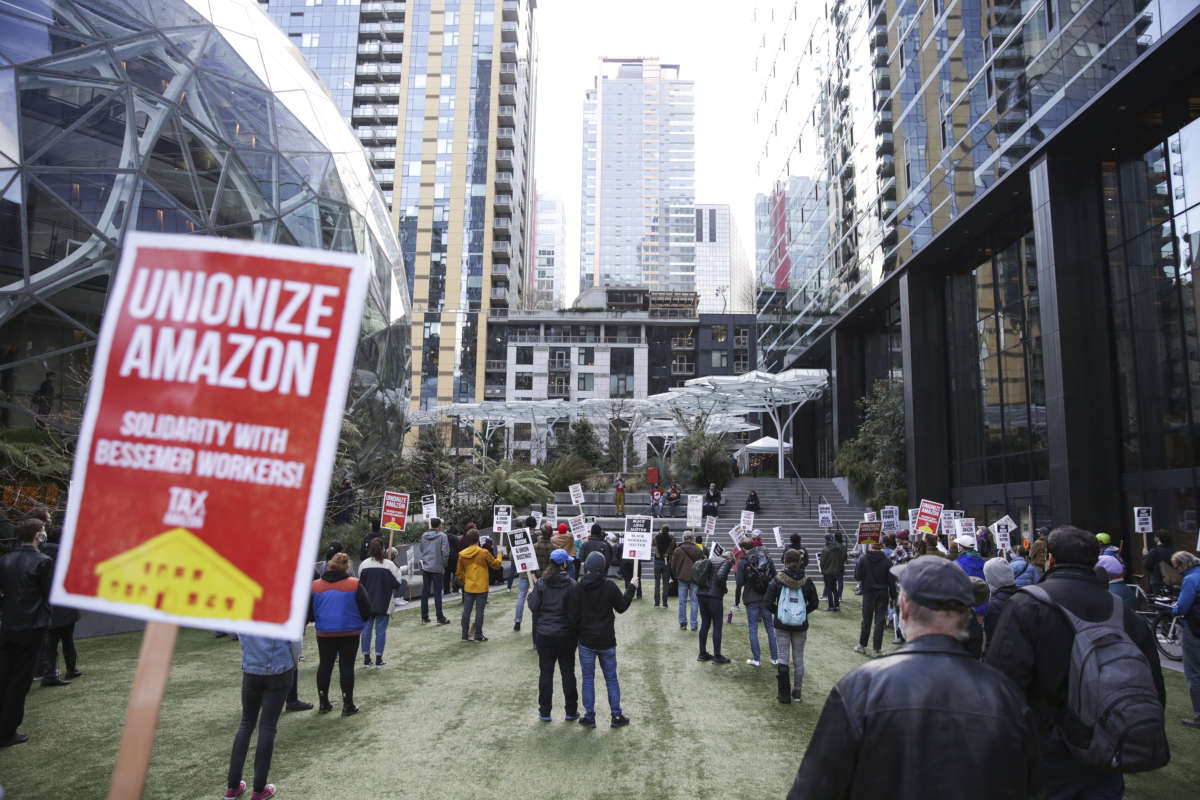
596	544
794	579
872	571
716	586
995	606
25	576
925	721
1033	641
742	588
590	608
548	602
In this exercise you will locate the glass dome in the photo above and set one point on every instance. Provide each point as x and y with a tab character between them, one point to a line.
196	117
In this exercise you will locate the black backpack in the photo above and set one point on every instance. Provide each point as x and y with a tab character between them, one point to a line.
758	573
701	571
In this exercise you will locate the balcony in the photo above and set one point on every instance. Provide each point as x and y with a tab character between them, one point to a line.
512	10
497	313
392	30
508	52
367	71
492	391
377	112
392	52
499	271
504	181
507	116
500	295
381	156
560	364
508	94
502	227
506	137
683	369
683	343
504	159
509	31
741	341
508	73
502	250
369	48
559	391
504	204
495	366
885	144
380	10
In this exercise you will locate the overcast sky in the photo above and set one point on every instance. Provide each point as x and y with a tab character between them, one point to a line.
713	44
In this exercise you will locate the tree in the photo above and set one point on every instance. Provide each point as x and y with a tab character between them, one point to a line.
874	460
580	440
703	459
429	469
512	485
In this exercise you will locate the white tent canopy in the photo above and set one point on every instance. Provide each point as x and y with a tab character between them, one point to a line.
767	444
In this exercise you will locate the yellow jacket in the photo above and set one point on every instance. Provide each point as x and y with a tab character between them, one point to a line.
473	565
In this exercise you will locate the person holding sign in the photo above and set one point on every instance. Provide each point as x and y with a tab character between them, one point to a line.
555	635
590	609
474	565
664	548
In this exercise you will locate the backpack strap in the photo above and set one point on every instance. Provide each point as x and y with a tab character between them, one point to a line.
1116	617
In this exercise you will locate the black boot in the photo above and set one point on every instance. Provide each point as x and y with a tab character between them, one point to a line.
348	706
784	676
325	706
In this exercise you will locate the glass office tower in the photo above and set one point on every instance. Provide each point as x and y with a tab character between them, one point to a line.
441	94
639	191
990	201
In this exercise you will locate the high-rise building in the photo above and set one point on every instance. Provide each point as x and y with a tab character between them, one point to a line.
441	95
724	277
638	199
993	202
549	252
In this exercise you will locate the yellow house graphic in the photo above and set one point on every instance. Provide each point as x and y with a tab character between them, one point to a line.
177	573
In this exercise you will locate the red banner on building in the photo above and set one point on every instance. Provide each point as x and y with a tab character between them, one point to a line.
395	511
212	419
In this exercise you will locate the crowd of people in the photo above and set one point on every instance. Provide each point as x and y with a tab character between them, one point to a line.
1033	656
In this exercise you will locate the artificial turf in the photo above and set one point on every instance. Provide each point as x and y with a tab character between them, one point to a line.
456	720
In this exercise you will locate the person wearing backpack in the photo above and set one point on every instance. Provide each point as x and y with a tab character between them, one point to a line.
682	560
711	576
1188	607
791	597
753	577
1074	648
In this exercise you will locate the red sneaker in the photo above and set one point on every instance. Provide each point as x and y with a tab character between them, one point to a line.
233	792
268	791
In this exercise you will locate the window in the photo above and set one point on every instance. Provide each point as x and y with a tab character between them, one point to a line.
524	355
741	337
523	382
720	359
719	333
587	356
559	386
560	359
586	382
741	361
712	224
699	225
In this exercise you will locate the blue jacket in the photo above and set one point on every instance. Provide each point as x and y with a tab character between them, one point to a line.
1024	573
1187	593
338	605
263	656
972	564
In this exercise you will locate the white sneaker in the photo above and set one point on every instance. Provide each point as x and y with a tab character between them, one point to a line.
876	653
858	648
752	662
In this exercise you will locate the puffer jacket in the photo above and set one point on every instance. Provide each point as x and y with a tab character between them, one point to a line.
718	578
473	565
792	579
682	559
548	600
1024	573
338	604
880	708
833	559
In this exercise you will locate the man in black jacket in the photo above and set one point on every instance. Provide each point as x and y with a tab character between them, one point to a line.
596	544
871	572
937	714
590	608
711	608
1032	646
25	576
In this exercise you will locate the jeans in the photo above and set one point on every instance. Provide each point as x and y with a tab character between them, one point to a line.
833	589
561	651
791	651
1191	664
874	604
522	593
754	612
341	648
662	575
378	622
19	653
656	508
476	600
587	669
1067	779
66	635
711	613
687	589
260	693
431	584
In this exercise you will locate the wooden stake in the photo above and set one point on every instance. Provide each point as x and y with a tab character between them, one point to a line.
141	718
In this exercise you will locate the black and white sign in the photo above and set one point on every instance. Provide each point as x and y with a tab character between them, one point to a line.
502	519
825	515
429	506
1143	519
552	514
576	490
524	556
890	516
637	543
695	509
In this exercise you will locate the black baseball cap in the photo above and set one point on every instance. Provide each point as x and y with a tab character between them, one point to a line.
933	581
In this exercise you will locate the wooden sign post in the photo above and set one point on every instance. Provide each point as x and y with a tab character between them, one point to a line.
141	718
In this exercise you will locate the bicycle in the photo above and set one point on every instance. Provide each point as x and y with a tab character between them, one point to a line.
1166	627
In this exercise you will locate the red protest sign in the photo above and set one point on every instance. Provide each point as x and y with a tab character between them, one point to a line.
870	532
395	511
212	418
929	516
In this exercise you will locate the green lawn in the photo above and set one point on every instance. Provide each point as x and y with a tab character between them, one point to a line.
450	719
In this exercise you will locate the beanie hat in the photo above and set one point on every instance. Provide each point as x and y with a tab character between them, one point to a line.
1112	566
997	572
562	527
597	530
594	563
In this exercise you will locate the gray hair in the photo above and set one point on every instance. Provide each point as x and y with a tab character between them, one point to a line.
1182	560
952	620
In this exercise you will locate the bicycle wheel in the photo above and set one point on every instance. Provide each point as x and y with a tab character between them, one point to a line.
1169	636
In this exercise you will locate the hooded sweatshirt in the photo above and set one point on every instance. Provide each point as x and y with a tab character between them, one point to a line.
596	544
591	604
972	564
833	558
792	578
434	551
872	571
472	570
999	576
